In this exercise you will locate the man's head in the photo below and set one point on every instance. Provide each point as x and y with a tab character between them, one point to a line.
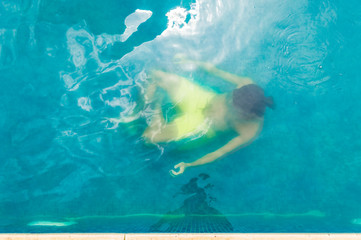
251	101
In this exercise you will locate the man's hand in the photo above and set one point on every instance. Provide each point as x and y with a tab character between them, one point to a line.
192	64
185	63
181	59
182	166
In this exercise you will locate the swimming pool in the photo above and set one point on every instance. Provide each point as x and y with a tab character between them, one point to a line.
69	68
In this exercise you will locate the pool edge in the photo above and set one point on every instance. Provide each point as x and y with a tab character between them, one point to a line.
188	236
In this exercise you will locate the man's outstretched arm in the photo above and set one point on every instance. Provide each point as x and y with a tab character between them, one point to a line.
242	140
232	78
210	68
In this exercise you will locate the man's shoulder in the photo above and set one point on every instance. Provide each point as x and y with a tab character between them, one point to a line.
249	128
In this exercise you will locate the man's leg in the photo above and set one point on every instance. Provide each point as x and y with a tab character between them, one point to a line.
173	84
159	131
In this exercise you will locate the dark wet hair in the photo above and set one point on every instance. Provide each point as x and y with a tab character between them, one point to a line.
251	100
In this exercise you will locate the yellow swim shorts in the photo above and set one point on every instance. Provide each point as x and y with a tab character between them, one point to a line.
191	99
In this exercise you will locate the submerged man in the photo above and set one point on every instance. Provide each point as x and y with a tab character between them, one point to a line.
204	112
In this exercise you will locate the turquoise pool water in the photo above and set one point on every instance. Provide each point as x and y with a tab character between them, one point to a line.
68	67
